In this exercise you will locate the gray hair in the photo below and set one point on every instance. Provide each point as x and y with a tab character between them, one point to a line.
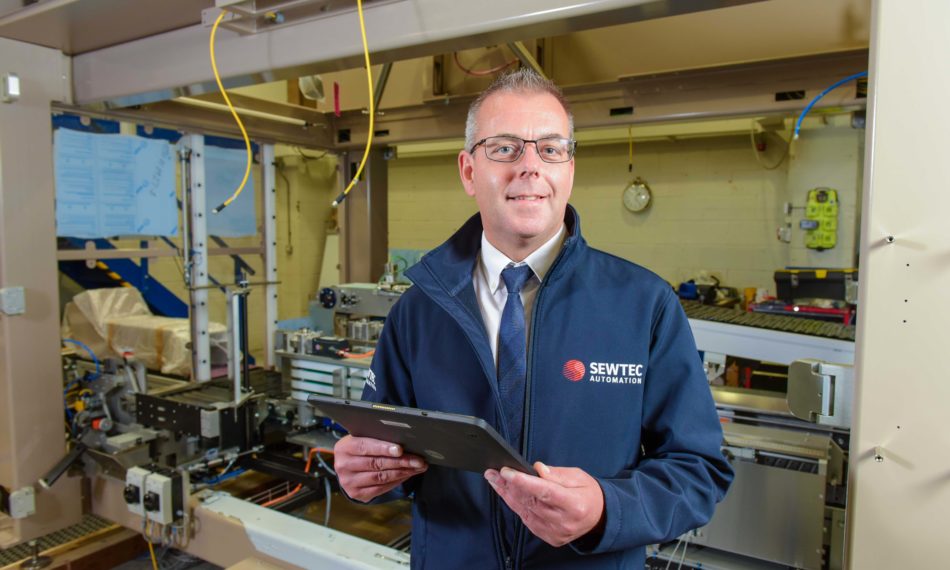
524	80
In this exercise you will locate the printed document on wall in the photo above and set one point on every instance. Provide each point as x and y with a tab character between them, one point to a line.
224	169
113	185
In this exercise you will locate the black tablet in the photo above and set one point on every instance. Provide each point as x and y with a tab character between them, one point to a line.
451	440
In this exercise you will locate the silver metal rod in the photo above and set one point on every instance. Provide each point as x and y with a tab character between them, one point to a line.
526	57
124	253
234	360
249	283
148	252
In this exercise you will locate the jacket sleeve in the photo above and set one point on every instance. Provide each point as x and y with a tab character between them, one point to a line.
682	473
390	382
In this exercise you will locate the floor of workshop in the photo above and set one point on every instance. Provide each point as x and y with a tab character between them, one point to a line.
167	560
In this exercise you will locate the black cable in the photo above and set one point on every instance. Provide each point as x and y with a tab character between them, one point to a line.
307	156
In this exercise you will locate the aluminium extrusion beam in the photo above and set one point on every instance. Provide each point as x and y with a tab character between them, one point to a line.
198	271
175	63
270	251
772	346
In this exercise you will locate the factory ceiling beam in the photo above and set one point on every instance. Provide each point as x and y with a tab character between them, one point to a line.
752	90
185	117
175	63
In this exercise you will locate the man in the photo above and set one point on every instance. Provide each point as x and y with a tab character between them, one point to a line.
590	370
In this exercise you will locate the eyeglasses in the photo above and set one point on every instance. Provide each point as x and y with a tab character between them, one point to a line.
510	149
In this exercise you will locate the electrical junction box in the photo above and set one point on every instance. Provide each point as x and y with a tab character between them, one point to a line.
23	503
135	489
821	219
163	499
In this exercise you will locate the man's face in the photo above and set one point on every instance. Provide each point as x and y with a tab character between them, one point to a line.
522	203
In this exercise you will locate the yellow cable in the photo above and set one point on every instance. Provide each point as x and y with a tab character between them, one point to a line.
247	141
372	110
151	551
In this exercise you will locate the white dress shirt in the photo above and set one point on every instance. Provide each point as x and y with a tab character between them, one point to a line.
490	288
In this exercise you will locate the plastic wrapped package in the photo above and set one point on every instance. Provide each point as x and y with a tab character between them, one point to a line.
117	320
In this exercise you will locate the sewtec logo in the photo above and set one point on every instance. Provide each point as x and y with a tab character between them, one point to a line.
604	372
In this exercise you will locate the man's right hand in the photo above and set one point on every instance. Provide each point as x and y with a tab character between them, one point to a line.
366	467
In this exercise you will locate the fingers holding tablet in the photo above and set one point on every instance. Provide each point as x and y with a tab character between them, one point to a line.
367	467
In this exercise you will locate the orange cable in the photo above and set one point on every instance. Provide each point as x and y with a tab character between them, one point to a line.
313	451
482	72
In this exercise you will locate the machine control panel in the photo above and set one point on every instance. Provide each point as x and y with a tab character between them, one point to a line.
163	500
134	489
155	493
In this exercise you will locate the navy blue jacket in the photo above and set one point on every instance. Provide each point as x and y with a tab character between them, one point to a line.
615	387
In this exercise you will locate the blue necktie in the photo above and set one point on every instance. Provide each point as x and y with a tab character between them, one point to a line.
512	344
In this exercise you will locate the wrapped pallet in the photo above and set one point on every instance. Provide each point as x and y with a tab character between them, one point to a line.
116	321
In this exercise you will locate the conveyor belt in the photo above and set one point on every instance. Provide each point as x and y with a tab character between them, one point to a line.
88	525
810	327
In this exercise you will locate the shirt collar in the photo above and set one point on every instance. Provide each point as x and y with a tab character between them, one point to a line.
540	260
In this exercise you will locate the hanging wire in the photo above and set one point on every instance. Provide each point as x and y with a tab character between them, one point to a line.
247	140
756	153
372	110
798	124
482	72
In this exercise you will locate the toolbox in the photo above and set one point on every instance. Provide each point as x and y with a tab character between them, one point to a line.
839	284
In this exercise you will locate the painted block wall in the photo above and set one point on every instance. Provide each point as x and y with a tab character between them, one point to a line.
714	207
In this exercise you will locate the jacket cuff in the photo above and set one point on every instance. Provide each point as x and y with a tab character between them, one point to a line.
613	522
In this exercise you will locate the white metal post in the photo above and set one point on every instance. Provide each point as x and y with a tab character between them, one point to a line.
270	251
200	340
899	470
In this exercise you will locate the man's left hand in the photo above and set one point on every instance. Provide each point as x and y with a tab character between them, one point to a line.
559	506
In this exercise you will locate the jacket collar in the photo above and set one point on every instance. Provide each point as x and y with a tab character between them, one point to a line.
445	276
450	265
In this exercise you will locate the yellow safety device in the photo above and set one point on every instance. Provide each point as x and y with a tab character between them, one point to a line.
821	219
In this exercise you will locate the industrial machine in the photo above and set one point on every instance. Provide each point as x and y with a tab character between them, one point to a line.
331	356
785	407
166	448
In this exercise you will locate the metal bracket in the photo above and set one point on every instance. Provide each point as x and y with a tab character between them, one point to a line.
820	392
12	301
23	503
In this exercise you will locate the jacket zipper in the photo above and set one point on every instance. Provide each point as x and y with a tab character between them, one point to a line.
518	545
509	558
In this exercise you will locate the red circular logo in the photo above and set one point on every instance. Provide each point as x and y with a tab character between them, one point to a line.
574	370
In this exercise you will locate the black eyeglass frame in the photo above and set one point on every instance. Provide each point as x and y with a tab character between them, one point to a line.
571	151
